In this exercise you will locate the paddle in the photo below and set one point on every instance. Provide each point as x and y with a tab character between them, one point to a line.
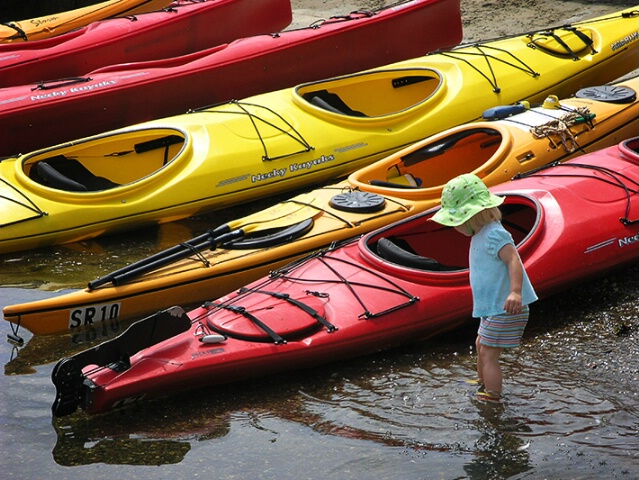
281	215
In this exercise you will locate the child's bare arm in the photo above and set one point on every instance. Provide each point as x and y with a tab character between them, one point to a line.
508	254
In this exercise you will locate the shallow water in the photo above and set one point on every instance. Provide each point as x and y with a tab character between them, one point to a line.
571	406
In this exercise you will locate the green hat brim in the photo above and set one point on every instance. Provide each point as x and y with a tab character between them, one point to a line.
453	217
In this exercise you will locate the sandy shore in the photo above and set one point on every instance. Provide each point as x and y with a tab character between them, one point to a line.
482	19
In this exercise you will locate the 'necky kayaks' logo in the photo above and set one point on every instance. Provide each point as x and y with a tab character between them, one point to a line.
293	167
633	37
72	90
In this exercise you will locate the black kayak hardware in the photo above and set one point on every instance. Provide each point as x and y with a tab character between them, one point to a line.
72	387
358	202
601	93
608	93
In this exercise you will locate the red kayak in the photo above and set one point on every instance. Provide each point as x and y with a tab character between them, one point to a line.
184	27
407	281
50	112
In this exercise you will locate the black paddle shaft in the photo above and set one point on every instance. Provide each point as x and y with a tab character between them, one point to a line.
150	265
175	252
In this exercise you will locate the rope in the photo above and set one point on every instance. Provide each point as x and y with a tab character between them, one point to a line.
302	306
561	127
18	30
284	273
240	310
349	284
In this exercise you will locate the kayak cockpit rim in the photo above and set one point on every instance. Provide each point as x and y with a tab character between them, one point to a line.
112	161
419	247
396	91
630	149
421	170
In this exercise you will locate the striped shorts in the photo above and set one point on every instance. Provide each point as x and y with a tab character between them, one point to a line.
503	331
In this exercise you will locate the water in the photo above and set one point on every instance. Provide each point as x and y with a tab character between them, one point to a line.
571	408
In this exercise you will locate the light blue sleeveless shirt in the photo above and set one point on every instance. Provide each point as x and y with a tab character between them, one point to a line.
489	279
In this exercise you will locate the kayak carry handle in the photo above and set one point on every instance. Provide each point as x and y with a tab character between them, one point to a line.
62	82
161	142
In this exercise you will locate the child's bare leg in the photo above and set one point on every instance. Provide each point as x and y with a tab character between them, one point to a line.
488	359
480	373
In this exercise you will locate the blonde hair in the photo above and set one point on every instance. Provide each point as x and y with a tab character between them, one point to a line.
484	217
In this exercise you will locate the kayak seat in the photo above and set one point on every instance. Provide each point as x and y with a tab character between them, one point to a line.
400	181
398	251
70	175
332	103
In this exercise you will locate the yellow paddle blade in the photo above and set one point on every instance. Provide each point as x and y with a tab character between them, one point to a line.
284	213
291	219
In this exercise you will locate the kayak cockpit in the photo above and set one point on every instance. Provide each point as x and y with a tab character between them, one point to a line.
393	91
104	162
432	163
427	246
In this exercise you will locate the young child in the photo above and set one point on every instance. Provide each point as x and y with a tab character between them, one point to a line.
499	283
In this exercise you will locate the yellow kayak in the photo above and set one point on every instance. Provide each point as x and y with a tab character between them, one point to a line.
176	167
58	23
400	185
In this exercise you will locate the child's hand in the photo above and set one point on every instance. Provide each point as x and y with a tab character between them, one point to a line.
513	303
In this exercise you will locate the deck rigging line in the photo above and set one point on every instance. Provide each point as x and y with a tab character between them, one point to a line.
516	64
520	65
612	178
560	126
21	33
60	82
29	205
583	37
277	340
243	110
284	273
301	305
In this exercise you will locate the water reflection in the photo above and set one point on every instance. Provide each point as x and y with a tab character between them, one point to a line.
73	265
571	404
158	435
43	349
425	406
74	451
412	400
498	452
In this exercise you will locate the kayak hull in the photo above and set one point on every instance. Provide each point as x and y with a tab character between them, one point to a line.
119	95
512	149
235	152
56	24
185	27
351	300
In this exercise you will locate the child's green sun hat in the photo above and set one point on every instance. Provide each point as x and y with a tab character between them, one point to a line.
462	198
